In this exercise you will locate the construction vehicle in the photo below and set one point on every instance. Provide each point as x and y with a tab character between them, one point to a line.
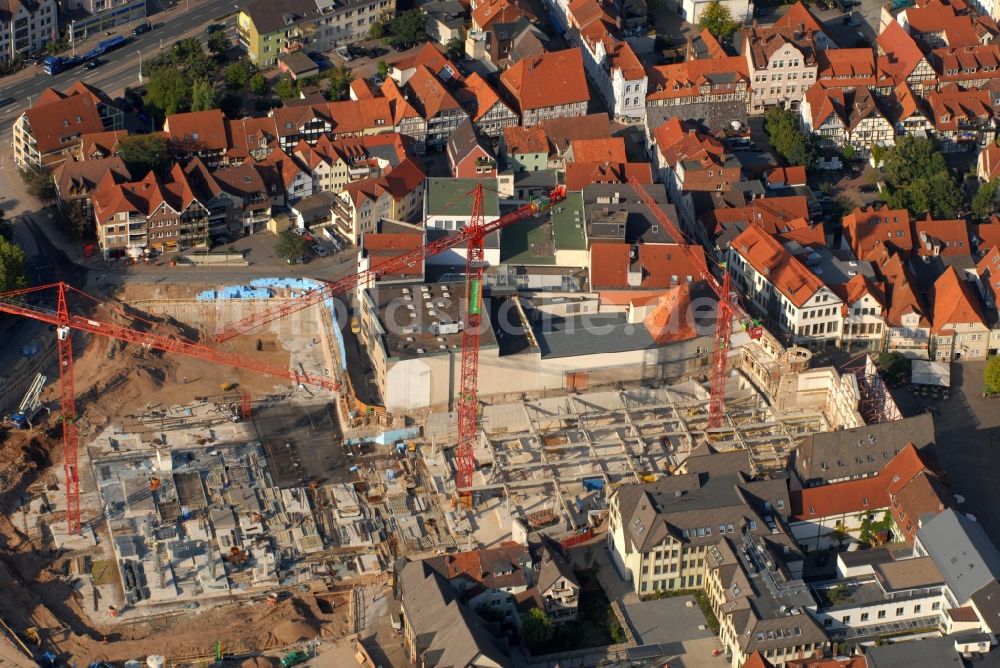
30	406
31	633
293	659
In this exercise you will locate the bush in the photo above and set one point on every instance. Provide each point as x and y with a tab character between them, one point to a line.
991	375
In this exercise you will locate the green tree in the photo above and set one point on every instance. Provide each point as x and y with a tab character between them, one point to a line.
290	245
218	43
259	85
144	153
984	201
895	366
456	46
912	158
787	137
285	87
718	20
238	75
203	94
167	92
40	186
991	375
840	535
339	82
378	30
409	27
383	69
13	266
78	223
536	628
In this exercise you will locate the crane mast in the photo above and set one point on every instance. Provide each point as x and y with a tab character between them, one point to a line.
727	308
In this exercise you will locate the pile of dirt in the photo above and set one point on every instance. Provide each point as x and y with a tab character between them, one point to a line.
294	630
259	662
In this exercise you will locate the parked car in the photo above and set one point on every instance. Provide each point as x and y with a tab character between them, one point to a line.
868	188
345	54
214	27
400	47
142	29
376	51
320	250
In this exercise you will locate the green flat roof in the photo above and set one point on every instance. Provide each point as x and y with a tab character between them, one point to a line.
535	242
453	197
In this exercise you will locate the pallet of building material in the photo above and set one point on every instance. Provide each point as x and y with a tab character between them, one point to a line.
541	518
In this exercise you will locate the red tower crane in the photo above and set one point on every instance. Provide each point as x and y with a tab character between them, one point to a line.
728	307
65	322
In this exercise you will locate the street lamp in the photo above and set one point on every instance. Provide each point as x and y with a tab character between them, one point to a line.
72	35
140	66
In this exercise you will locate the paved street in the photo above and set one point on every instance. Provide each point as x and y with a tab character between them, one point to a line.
121	68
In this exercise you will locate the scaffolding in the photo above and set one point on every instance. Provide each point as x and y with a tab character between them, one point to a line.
876	403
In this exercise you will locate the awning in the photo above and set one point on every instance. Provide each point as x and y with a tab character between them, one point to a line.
931	373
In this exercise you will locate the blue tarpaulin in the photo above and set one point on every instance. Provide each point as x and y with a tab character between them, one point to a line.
263	288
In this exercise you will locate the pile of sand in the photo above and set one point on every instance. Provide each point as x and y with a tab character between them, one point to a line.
292	631
259	662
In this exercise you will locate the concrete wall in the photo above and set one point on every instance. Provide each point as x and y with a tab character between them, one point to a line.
438	375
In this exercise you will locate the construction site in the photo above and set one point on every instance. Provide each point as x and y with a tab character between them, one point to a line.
204	479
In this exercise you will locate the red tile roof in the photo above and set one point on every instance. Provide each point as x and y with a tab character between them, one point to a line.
519	139
989	233
384	246
854	496
621	56
477	96
58	125
865	228
203	129
953	303
846	67
953	107
942	237
597	150
789	176
582	174
685	79
548	80
658	265
903	299
487	12
769	258
756	660
900	54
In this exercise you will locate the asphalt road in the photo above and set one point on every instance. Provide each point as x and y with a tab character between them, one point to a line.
120	68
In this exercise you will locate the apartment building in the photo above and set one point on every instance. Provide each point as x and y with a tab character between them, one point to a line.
864	326
155	214
362	205
780	287
488	112
435	104
842	117
700	88
551	85
782	58
26	26
267	29
958	327
660	533
49	132
76	181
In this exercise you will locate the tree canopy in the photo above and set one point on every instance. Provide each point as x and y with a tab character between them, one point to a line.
991	375
259	85
144	153
13	266
409	27
913	158
984	201
290	245
172	78
285	87
238	74
537	628
718	20
787	137
340	79
920	179
40	186
203	95
219	43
